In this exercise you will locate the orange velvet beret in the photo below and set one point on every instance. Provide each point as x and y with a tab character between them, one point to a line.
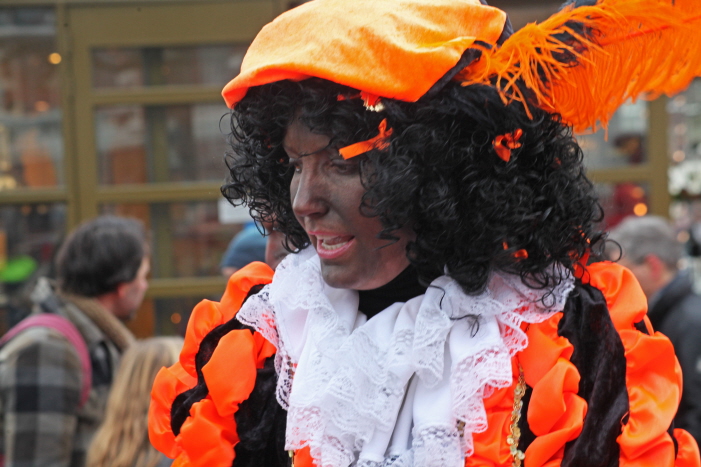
386	48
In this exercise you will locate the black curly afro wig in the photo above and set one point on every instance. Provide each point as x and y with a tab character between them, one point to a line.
472	212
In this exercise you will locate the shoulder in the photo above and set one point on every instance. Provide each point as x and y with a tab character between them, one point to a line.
624	297
40	347
216	346
689	310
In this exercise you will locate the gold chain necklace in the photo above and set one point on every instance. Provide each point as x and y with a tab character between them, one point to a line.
513	439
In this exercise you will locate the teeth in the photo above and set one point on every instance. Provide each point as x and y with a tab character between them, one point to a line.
333	243
333	247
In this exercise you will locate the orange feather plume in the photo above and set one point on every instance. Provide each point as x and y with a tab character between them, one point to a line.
633	48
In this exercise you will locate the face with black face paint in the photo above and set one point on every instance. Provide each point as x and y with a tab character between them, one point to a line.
326	193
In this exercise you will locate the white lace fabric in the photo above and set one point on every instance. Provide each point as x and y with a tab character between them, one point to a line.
390	391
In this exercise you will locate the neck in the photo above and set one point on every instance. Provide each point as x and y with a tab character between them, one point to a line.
109	302
400	289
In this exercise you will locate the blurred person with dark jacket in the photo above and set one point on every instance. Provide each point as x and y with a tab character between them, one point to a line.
651	251
48	416
122	439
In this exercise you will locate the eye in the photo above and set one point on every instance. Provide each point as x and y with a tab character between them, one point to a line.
345	167
295	164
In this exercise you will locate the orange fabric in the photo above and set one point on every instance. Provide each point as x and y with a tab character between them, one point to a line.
378	142
303	458
625	299
207	315
168	384
244	351
641	48
207	437
394	48
491	449
688	454
503	144
555	413
653	375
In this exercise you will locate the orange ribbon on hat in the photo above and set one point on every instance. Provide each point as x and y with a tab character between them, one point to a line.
503	144
378	142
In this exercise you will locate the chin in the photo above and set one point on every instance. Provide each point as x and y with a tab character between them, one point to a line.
336	281
342	279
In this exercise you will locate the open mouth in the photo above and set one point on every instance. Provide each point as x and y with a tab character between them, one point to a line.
333	246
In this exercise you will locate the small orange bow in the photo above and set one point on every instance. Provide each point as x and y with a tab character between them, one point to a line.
518	255
378	142
503	144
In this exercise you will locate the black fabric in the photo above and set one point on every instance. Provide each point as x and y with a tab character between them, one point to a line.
675	311
527	436
402	288
600	359
468	56
182	404
261	424
101	366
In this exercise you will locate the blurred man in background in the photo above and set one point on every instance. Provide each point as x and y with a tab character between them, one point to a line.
49	414
651	251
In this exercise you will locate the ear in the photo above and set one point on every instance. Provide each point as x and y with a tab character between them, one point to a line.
655	265
122	290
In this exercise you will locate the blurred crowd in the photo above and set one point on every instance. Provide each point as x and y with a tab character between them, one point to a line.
74	382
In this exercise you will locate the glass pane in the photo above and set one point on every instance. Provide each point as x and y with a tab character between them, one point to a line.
626	144
187	239
622	200
31	143
29	236
175	143
685	142
208	65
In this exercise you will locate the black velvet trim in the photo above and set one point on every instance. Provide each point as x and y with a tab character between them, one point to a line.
527	436
182	404
600	359
261	424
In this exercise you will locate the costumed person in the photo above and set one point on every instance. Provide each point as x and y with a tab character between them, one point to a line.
437	308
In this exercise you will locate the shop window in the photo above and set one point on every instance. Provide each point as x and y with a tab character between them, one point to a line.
31	143
210	65
620	200
29	237
623	144
188	239
175	143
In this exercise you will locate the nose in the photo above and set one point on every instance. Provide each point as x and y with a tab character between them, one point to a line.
309	192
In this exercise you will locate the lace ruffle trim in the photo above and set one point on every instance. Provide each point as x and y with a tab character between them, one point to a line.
357	379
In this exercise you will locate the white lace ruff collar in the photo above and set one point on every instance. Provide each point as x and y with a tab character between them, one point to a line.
392	390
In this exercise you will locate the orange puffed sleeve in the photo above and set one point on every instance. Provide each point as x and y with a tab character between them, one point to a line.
653	375
556	412
207	315
208	435
168	384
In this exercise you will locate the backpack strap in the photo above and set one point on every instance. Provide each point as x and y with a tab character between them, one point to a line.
70	332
